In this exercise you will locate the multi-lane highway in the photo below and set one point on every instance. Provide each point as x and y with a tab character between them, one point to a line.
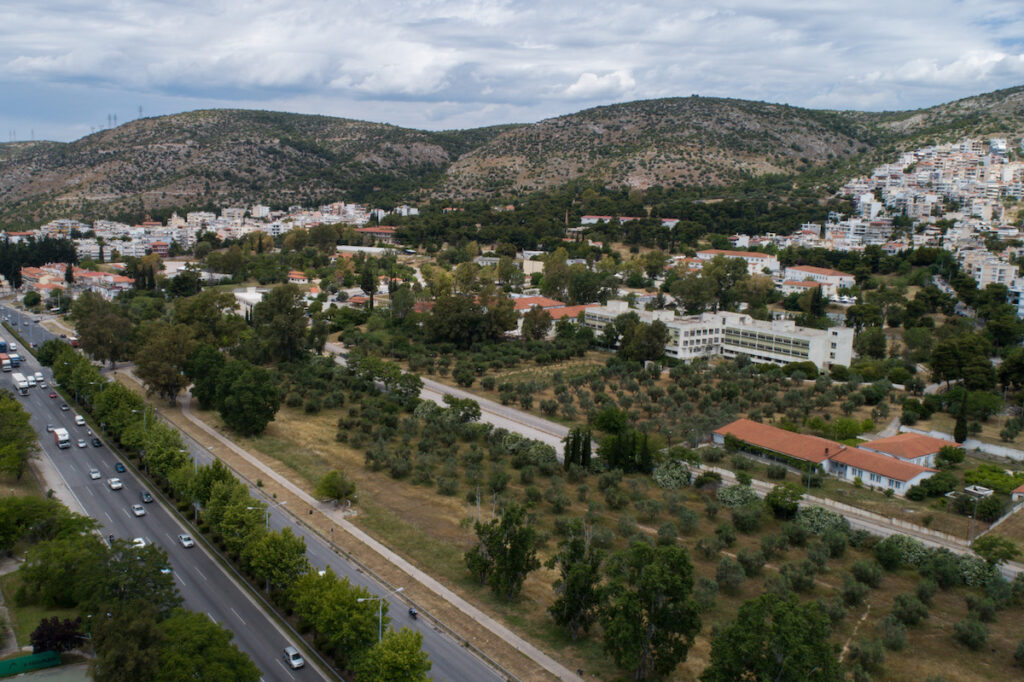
254	633
203	583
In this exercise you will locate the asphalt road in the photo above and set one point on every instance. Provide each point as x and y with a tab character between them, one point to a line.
450	660
205	586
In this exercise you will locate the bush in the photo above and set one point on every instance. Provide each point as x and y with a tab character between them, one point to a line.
908	609
867	572
971	633
776	471
894	634
853	591
726	534
818	520
447	485
833	609
773	546
712	455
729	575
707	478
795	534
672	475
734	496
688	520
709	547
925	590
836	542
868	653
983	609
751	560
667	533
747	518
800	576
705	593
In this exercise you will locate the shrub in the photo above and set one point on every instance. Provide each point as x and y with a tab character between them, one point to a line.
817	554
868	653
836	542
795	534
894	633
943	567
667	533
773	545
709	547
908	609
734	496
983	609
726	534
707	478
867	572
776	471
711	508
971	633
819	520
616	498
705	593
834	609
751	560
853	591
925	590
672	475
747	518
729	575
447	485
688	520
779	586
712	454
800	576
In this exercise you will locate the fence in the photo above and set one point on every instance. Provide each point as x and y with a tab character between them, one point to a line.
24	664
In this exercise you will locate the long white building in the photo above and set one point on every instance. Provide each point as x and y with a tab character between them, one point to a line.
731	334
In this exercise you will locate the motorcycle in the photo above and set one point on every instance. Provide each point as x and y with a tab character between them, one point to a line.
413	613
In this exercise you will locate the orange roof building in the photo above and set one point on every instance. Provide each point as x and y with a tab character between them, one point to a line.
911	447
849	463
526	302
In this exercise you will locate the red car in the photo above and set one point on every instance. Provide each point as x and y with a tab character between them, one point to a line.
53	395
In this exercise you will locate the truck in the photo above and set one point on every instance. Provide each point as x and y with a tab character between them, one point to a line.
3	345
15	359
61	438
5	361
73	341
20	383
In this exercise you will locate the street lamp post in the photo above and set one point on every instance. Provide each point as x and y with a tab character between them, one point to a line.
380	610
267	513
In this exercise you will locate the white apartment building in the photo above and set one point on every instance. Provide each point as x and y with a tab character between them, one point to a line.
259	211
986	268
731	334
831	281
756	262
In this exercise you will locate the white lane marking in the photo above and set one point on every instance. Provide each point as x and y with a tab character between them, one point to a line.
212	618
236	614
200	573
286	669
107	514
183	583
91	492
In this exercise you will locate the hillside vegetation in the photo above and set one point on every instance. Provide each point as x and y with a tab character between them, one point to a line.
222	157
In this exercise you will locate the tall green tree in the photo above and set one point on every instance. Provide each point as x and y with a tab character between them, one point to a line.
203	367
397	657
536	323
248	397
774	639
506	552
192	647
280	323
160	359
647	612
18	441
278	558
128	643
579	567
335	486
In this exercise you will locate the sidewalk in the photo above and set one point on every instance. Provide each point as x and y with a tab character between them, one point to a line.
337	517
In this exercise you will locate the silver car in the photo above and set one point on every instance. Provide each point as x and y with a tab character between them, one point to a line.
138	510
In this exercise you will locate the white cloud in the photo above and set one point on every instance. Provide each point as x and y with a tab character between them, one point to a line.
449	63
590	85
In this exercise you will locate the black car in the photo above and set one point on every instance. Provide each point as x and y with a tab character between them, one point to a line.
97	443
118	467
145	496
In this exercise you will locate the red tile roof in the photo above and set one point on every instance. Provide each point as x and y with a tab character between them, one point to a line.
908	445
796	445
1018	489
874	463
735	254
383	229
569	311
527	302
820	271
794	283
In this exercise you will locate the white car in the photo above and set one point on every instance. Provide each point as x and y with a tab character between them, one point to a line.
115	483
138	510
138	543
293	658
94	474
82	443
186	540
80	420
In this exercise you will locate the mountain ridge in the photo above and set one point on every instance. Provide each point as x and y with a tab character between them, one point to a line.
216	157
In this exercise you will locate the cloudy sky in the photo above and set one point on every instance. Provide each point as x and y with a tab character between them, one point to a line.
68	66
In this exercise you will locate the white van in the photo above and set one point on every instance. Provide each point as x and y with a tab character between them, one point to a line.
31	380
80	420
39	377
293	658
12	347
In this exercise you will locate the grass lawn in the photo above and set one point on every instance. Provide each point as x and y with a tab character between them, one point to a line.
25	619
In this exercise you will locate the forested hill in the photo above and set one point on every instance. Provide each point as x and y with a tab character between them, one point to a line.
223	157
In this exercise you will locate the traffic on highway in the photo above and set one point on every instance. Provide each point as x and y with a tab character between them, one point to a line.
119	500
